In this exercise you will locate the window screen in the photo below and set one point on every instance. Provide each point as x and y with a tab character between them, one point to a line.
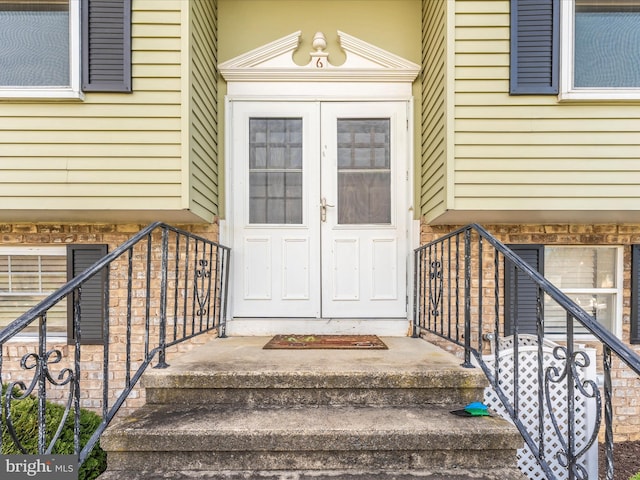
364	171
607	44
34	43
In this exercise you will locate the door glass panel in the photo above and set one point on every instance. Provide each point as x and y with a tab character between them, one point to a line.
275	170
364	171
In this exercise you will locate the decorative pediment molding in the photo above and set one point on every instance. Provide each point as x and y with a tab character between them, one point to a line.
364	62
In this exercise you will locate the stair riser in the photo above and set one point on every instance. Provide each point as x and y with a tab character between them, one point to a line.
436	379
326	460
306	397
456	474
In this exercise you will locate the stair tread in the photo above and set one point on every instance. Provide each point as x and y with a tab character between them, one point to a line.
184	427
242	363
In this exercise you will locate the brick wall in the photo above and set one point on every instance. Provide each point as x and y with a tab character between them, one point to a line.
626	384
92	356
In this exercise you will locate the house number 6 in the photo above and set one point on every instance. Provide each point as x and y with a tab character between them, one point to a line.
319	63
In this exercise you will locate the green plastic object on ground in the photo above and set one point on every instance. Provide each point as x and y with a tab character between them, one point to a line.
477	409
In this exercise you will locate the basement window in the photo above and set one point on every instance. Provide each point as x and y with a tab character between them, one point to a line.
27	276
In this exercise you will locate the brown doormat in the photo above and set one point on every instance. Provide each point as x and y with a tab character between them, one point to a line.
301	342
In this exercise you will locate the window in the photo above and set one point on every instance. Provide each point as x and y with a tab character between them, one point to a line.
60	48
600	54
28	275
40	47
601	49
589	275
364	171
275	170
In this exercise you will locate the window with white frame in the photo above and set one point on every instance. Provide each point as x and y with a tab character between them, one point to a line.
40	48
27	276
600	49
589	275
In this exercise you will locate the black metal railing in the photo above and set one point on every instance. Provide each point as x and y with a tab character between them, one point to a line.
162	287
459	295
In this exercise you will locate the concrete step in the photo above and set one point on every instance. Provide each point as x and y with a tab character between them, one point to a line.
231	410
452	474
238	372
172	438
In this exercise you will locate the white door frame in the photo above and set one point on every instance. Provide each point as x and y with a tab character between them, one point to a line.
368	74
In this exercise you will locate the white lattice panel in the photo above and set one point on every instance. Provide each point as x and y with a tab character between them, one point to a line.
528	401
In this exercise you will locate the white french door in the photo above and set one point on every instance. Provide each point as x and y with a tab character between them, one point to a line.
319	209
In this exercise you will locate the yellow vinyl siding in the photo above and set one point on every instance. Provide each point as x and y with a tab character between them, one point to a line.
393	25
434	109
530	152
111	151
203	148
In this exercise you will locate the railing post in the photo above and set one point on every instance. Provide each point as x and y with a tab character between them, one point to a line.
223	318
162	352
77	360
608	413
540	335
467	299
571	440
416	277
480	293
41	369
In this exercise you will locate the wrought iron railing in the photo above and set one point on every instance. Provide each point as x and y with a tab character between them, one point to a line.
459	295
162	287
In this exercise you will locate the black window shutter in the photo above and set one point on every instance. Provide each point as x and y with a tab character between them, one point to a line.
79	258
521	292
535	47
635	294
106	45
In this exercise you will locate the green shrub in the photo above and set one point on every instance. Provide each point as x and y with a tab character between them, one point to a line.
24	415
635	477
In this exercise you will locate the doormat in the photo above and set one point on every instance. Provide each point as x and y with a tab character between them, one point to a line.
301	342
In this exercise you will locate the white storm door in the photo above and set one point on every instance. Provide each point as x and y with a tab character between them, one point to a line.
276	220
364	225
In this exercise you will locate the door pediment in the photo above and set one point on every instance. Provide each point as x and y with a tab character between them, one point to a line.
364	62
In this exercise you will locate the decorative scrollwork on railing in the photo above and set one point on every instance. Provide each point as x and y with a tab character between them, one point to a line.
588	390
18	390
202	292
435	293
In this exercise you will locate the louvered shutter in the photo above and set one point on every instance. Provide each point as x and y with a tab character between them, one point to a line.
535	47
521	292
106	45
635	294
79	258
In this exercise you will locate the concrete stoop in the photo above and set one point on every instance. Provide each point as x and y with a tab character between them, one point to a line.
231	410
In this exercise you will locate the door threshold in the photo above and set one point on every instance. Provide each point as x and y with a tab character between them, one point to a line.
249	327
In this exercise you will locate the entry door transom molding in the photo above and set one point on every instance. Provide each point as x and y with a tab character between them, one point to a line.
365	69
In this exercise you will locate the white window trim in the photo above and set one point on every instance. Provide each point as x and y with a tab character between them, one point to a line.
54	337
618	291
567	90
73	91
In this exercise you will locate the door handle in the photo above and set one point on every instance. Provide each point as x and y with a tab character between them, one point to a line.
323	209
